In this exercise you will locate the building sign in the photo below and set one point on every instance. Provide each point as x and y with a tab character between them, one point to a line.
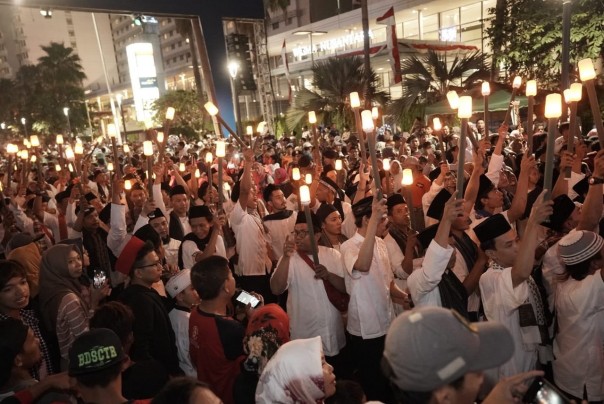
148	82
143	77
334	44
448	34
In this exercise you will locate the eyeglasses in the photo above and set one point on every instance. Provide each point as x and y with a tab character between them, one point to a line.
300	233
155	264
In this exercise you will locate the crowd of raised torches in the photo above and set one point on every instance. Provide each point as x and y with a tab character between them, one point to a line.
70	157
367	121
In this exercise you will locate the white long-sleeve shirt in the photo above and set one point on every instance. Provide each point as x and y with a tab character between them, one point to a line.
370	310
423	282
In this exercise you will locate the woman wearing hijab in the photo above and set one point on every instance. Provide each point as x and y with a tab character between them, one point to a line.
66	304
296	374
266	331
396	175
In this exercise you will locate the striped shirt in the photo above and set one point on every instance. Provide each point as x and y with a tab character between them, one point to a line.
72	320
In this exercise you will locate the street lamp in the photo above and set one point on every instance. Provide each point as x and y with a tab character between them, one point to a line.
233	67
66	113
24	122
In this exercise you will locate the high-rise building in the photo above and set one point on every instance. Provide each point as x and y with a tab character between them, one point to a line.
316	29
175	61
23	32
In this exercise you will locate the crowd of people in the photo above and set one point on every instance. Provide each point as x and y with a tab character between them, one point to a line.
187	277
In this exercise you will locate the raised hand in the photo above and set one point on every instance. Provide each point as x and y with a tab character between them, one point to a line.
248	155
453	208
289	247
527	163
542	209
599	165
378	208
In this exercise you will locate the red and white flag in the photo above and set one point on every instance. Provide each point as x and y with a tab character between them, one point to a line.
286	64
392	43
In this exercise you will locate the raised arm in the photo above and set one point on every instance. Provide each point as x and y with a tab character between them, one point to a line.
453	209
561	186
474	181
246	178
516	211
363	179
523	266
281	273
378	211
158	169
592	208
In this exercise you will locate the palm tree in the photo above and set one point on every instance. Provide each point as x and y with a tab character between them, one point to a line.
428	78
274	6
60	80
27	88
8	102
61	64
334	79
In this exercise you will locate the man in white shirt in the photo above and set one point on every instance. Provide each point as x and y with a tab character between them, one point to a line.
435	284
254	261
370	284
326	191
158	221
178	221
280	222
180	289
509	293
470	261
309	309
400	242
205	239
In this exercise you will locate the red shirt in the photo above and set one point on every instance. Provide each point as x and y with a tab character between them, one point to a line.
216	349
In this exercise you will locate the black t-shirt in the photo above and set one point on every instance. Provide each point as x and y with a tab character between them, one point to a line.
143	379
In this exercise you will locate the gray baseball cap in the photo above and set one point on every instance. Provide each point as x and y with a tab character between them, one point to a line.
430	347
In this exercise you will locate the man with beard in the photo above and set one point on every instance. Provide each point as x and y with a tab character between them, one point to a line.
371	286
400	241
254	262
309	308
280	222
509	293
205	239
471	260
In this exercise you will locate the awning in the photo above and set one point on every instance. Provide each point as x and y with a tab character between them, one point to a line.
498	101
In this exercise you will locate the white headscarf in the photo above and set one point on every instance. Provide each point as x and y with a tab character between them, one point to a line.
398	178
294	375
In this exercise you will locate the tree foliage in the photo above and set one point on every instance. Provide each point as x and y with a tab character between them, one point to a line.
428	78
275	6
526	36
334	79
41	91
189	119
